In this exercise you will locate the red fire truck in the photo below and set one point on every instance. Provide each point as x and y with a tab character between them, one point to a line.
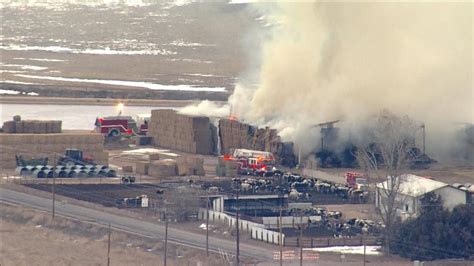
356	180
114	126
252	161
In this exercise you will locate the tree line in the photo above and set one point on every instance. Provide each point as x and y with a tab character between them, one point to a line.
436	233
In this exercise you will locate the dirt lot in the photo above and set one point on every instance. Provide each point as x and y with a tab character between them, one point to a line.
32	238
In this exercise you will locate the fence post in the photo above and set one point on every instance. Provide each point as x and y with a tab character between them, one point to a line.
328	242
298	242
311	242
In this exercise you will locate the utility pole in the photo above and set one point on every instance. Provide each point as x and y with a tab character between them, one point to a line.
301	241
108	249
207	225
424	137
364	253
237	224
299	157
54	194
322	142
281	236
166	239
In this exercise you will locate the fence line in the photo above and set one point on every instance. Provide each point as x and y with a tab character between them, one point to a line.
257	231
328	242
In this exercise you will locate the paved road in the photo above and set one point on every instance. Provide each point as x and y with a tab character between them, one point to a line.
135	226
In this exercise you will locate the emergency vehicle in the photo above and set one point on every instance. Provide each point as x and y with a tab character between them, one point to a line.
252	161
114	126
356	180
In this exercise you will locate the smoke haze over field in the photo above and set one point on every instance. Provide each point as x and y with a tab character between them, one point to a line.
327	61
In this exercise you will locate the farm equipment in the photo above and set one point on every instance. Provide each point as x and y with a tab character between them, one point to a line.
127	180
72	164
20	161
137	202
73	157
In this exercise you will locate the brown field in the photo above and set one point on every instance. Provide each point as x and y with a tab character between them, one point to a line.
30	237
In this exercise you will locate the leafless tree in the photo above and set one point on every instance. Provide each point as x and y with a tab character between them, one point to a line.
183	202
384	153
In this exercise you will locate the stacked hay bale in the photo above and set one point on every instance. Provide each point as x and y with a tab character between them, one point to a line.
234	134
51	146
227	167
32	126
142	168
181	132
184	165
237	135
162	168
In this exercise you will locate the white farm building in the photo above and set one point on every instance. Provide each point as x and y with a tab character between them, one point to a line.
410	189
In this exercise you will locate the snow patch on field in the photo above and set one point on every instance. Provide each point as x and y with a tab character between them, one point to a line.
25	67
369	250
18	82
144	151
141	84
106	51
11	71
14	92
40	59
10	92
188	44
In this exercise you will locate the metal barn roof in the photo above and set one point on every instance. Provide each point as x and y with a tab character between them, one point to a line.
413	185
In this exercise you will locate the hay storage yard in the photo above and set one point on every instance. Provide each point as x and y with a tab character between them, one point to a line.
51	146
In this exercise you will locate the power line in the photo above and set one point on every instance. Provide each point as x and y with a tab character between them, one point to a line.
145	186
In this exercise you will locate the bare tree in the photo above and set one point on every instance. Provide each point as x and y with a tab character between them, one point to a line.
183	202
384	153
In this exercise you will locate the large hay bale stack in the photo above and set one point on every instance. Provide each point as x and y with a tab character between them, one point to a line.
142	168
161	169
127	168
236	135
9	127
20	127
153	156
192	134
49	145
32	126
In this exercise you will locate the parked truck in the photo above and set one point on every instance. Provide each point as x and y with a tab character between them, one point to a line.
114	126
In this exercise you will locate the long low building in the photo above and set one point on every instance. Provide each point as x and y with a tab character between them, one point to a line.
251	205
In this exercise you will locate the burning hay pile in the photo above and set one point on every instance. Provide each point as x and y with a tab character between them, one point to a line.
238	135
196	134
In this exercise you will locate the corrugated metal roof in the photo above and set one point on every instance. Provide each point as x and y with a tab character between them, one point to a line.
413	185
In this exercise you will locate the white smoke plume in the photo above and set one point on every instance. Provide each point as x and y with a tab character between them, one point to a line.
332	60
206	108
